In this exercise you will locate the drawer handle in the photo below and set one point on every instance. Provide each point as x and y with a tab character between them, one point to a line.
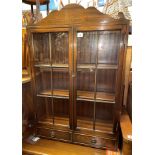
52	134
93	141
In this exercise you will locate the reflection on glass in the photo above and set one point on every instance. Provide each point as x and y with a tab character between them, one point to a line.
41	48
84	116
59	47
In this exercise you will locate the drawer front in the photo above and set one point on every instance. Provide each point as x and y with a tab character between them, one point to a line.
96	142
54	134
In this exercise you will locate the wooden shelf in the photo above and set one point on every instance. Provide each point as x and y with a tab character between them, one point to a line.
42	65
105	96
86	66
56	93
85	95
45	93
53	65
80	66
60	65
99	66
100	96
64	93
100	125
60	121
81	95
106	66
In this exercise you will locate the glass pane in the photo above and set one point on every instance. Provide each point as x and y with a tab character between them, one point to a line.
104	116
44	109
86	47
105	44
106	80
43	80
108	46
84	113
59	47
85	83
60	80
41	48
61	111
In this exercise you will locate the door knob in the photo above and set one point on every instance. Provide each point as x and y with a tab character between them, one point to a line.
52	134
73	75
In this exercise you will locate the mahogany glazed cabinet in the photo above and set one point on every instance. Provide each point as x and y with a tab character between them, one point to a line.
77	57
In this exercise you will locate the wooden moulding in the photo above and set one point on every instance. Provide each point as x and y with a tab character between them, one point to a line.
126	129
127	73
66	17
86	139
82	136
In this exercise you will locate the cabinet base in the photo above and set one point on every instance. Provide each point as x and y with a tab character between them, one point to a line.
86	138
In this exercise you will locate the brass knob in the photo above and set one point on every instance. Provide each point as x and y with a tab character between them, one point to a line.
93	141
52	134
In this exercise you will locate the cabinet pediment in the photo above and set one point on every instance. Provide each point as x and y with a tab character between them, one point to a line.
75	14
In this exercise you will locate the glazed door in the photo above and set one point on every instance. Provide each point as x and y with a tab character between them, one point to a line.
97	57
52	57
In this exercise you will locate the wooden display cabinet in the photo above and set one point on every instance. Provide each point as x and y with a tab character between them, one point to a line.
77	60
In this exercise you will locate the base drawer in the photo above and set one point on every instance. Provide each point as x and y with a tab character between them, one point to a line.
97	142
54	134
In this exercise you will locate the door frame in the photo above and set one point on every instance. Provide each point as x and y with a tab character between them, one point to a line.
70	56
119	75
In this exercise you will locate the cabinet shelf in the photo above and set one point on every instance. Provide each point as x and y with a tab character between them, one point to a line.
100	96
99	66
42	65
80	66
81	95
106	66
60	121
60	65
56	93
53	65
86	66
